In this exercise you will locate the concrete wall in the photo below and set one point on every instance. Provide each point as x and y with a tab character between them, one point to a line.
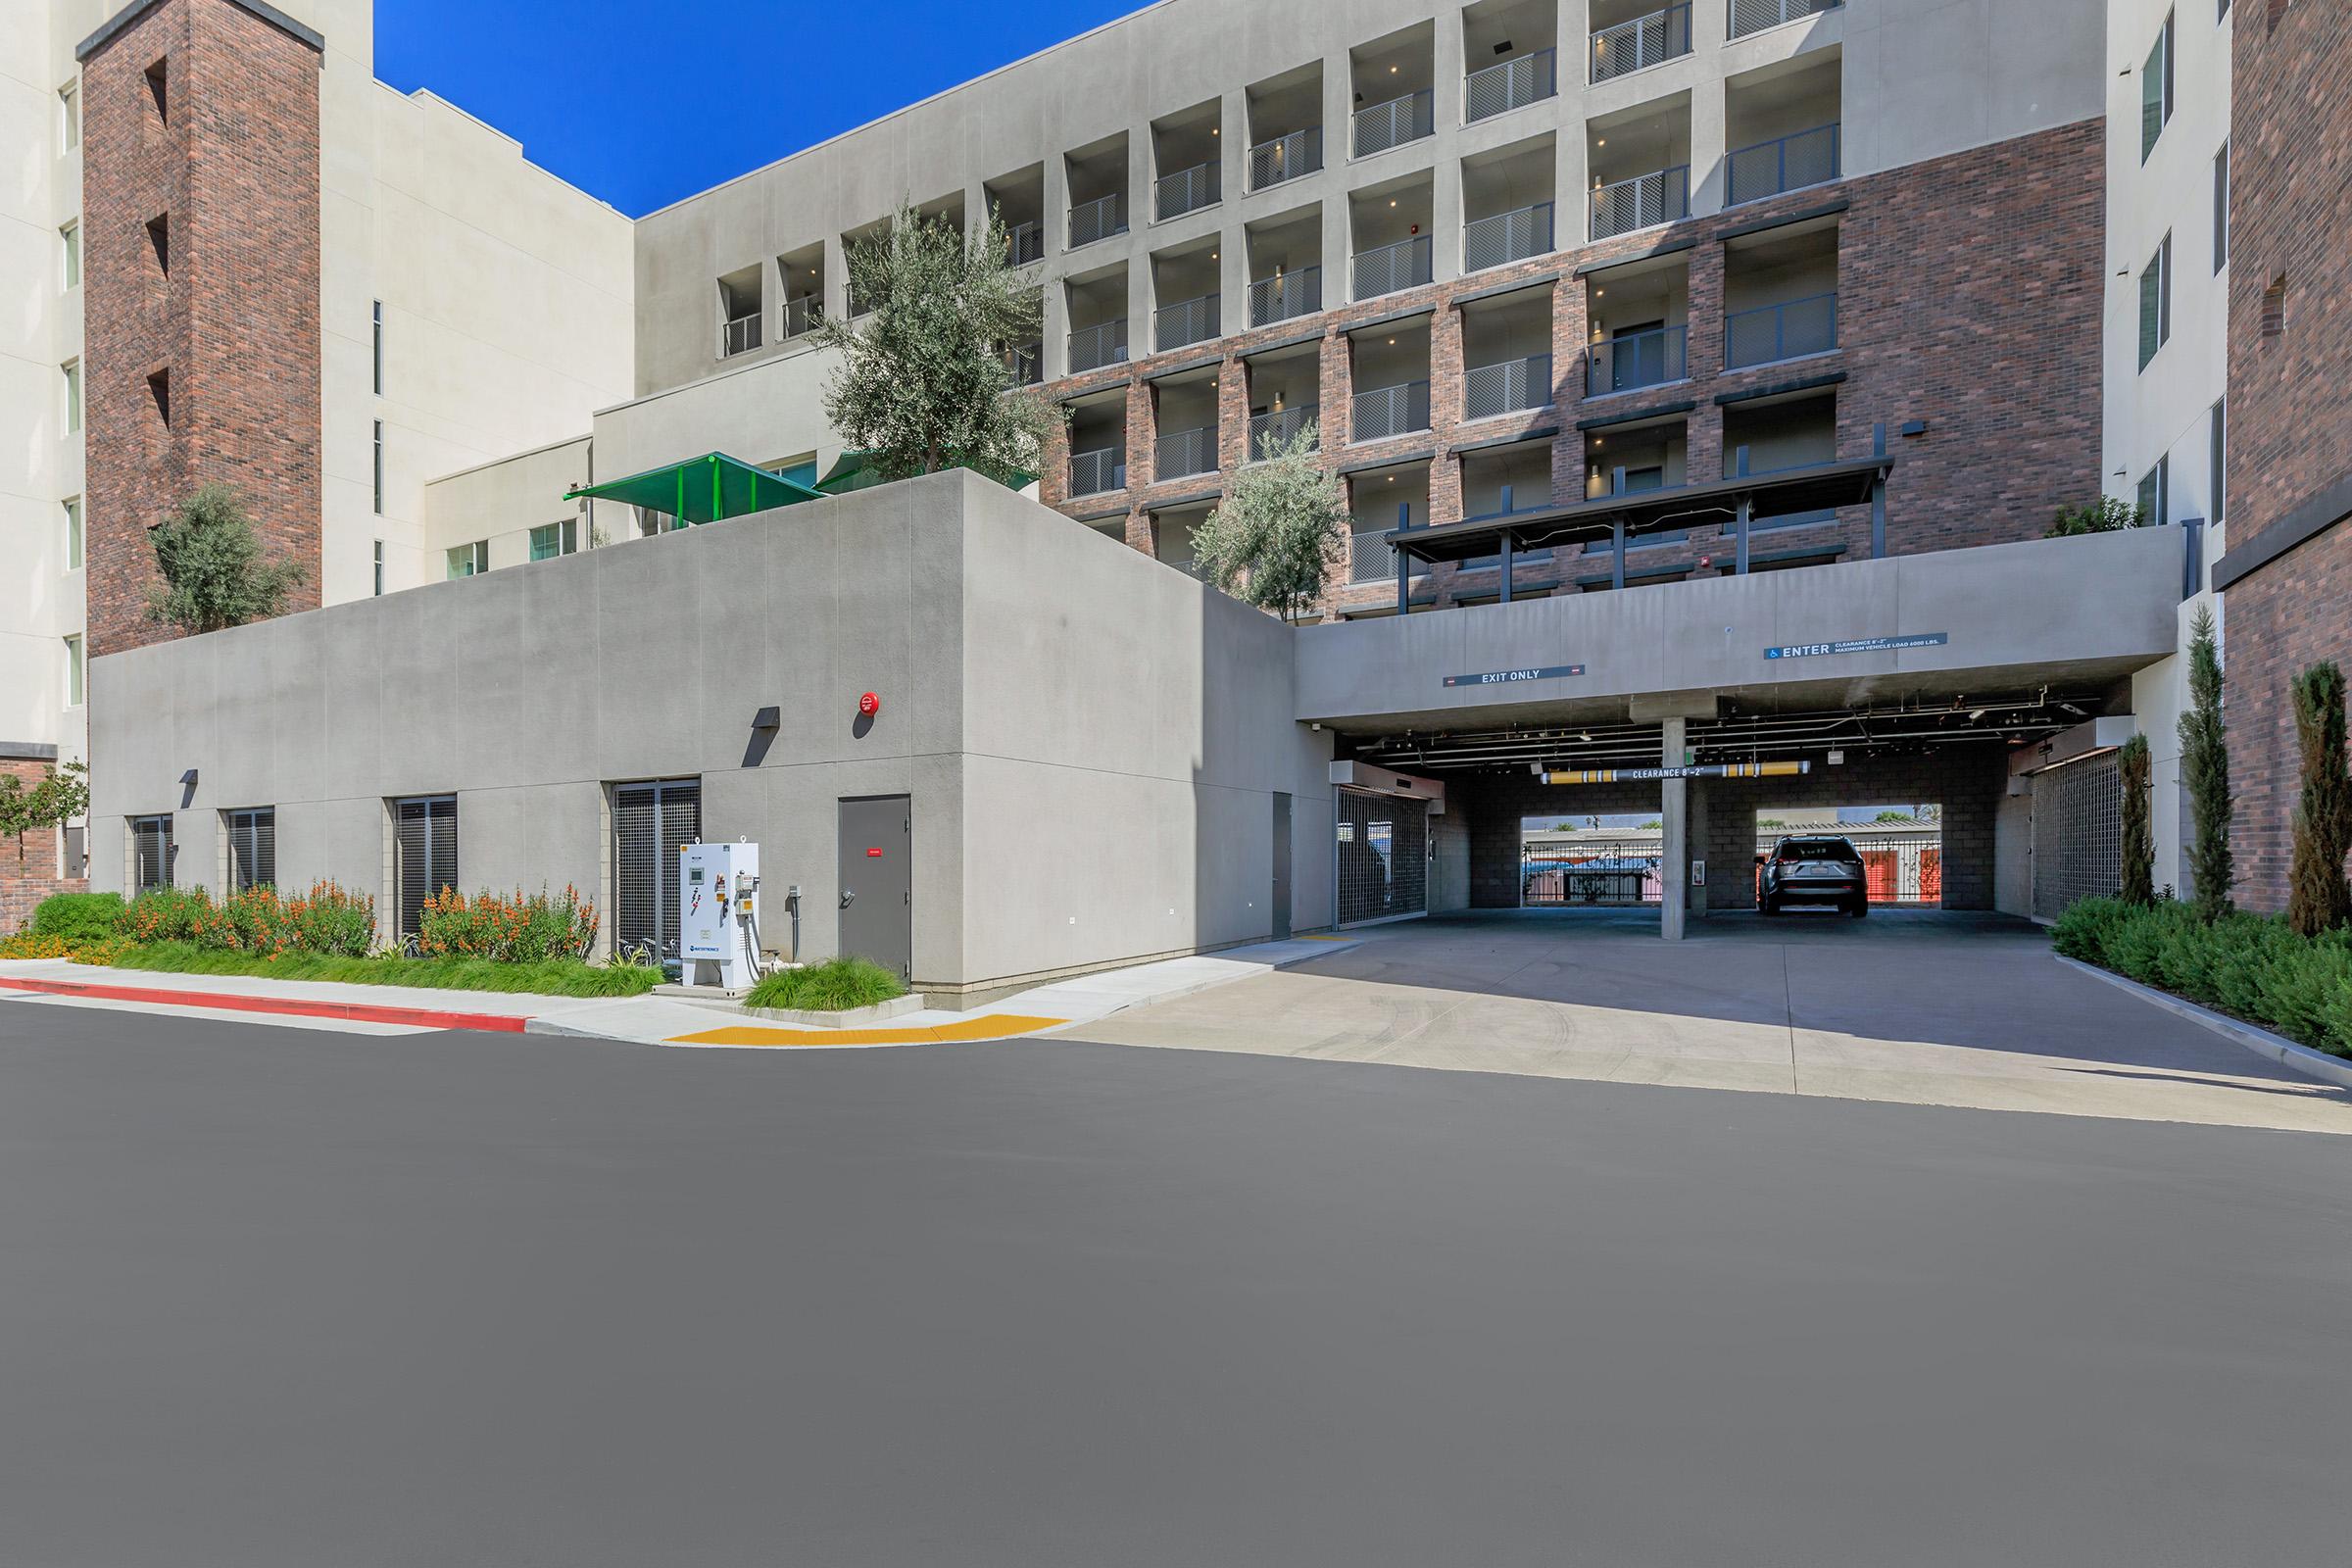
1090	775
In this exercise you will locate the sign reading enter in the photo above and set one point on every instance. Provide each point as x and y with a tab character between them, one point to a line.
1505	678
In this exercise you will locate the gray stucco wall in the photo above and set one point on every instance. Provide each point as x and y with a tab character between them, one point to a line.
1054	784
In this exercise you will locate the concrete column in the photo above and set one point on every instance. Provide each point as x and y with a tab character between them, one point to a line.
1674	859
1139	306
1233	243
1707	173
837	278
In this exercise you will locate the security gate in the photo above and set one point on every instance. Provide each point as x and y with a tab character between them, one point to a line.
424	854
1383	855
878	882
649	821
2078	834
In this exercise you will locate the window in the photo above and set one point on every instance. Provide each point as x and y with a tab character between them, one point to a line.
2156	90
2156	302
2217	456
2221	208
73	374
469	561
70	236
555	539
2155	506
379	467
377	347
74	533
252	847
2273	308
424	855
72	672
379	568
69	98
150	853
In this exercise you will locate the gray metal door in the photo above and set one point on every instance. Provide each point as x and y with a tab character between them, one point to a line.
1282	866
878	882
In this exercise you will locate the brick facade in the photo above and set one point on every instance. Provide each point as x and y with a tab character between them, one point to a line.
2289	403
1968	297
229	161
28	863
1965	781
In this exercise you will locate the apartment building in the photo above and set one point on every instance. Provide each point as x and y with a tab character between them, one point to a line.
244	259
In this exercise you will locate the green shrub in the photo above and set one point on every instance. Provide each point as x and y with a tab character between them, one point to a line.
834	986
2082	932
78	916
2252	966
174	914
2302	987
330	919
556	977
521	928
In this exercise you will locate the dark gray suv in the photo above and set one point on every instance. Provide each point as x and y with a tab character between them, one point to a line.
1814	871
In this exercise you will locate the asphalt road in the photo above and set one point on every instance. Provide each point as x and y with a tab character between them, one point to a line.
270	1296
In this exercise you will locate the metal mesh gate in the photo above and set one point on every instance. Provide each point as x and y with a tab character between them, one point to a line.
1383	855
2078	834
649	822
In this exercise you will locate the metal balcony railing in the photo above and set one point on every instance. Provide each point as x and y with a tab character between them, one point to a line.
1279	426
1754	15
1098	219
1388	411
1783	331
1185	321
1645	41
1785	162
1025	242
740	336
1506	388
1286	158
1187	452
1299	292
1372	558
1028	362
1385	268
1660	196
1511	236
1093	472
1187	190
1633	360
1393	124
1511	84
1093	347
803	315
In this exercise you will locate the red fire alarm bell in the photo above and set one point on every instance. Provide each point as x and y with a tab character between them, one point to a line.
869	704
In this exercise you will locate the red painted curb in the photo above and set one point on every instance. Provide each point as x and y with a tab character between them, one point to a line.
359	1012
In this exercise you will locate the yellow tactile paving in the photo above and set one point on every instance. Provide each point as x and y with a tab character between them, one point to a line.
988	1026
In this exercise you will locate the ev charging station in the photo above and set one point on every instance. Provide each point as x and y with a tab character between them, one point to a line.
719	914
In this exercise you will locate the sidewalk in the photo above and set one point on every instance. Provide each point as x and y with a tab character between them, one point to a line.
648	1020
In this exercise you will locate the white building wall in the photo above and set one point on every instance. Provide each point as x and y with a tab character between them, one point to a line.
2164	413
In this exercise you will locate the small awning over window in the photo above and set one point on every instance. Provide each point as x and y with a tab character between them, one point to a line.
709	488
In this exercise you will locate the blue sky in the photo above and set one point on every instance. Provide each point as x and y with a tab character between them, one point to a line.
643	102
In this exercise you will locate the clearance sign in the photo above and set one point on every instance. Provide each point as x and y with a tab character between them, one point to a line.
1634	775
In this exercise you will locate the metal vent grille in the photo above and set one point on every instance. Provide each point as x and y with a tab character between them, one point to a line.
648	823
424	854
252	849
2078	834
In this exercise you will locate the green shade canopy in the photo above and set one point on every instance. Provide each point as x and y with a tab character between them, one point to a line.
705	489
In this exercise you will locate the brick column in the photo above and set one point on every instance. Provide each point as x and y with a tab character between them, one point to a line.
1568	335
1233	415
1702	460
1054	483
1143	435
1444	413
1337	396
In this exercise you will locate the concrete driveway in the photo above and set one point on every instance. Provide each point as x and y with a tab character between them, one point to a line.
1922	1008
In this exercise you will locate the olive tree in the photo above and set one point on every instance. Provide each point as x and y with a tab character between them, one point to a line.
1283	520
214	570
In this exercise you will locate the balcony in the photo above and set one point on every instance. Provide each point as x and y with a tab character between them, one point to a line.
1286	158
1389	411
1784	331
1512	84
1660	196
1278	426
739	336
1641	43
1183	453
1028	362
1193	320
1100	219
1187	190
1511	236
1635	359
1754	15
1094	347
1097	472
803	315
1385	268
1785	162
1284	295
1506	388
1393	124
1025	243
1372	558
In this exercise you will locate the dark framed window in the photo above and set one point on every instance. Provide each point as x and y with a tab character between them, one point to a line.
424	854
2156	90
2221	208
379	467
2155	503
2156	302
150	853
377	347
2217	454
253	848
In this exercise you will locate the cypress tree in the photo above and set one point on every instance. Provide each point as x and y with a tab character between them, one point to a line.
2318	897
2139	845
2205	765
